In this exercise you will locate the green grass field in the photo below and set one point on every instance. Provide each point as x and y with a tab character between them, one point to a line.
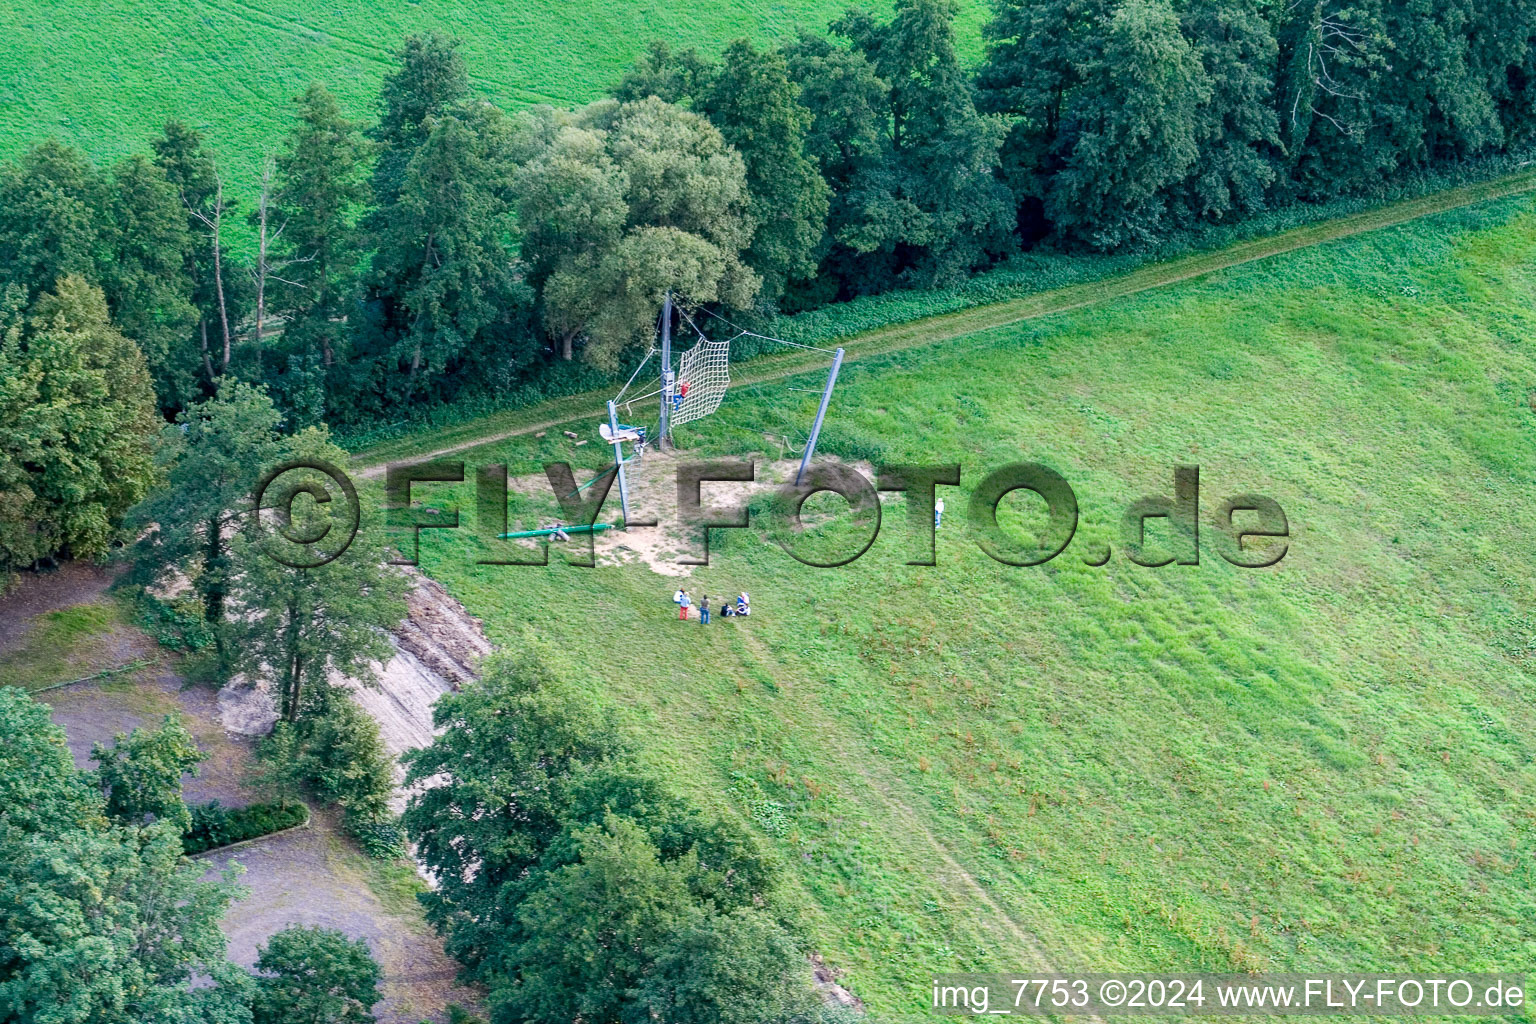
106	77
1326	765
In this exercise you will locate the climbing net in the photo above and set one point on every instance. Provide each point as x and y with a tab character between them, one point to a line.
703	372
703	375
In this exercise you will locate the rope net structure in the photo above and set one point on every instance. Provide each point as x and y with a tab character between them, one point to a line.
703	375
703	372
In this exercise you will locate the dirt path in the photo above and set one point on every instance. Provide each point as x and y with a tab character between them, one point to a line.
312	876
935	329
37	593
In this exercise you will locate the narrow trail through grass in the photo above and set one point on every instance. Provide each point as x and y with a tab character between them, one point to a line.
371	462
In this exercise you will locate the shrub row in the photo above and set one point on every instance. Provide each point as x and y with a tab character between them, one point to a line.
214	825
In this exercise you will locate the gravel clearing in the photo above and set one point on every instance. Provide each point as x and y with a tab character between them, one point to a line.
312	875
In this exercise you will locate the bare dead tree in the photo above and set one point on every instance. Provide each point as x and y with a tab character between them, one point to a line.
207	362
213	220
1331	39
267	267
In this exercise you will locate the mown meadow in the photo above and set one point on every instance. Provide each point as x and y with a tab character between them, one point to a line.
106	78
1324	765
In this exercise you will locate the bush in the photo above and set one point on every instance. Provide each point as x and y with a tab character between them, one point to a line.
335	754
214	825
315	975
382	840
176	625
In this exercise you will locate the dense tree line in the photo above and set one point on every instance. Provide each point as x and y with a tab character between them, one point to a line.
444	248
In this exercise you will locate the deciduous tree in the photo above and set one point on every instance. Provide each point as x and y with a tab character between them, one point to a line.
221	297
946	152
145	277
1134	130
1036	53
141	773
442	290
430	79
213	457
442	274
685	222
333	753
77	416
315	976
1238	137
101	922
300	625
52	203
758	111
321	190
567	878
508	761
869	220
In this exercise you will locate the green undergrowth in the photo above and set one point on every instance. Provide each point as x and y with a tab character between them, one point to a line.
214	825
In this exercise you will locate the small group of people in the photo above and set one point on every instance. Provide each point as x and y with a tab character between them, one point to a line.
740	608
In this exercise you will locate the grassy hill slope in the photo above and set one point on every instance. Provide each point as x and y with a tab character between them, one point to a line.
105	77
1330	764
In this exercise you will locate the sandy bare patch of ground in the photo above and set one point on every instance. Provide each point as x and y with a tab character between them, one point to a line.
61	625
439	633
437	650
402	702
653	496
95	712
35	593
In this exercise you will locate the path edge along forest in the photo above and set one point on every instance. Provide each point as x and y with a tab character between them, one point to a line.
447	441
